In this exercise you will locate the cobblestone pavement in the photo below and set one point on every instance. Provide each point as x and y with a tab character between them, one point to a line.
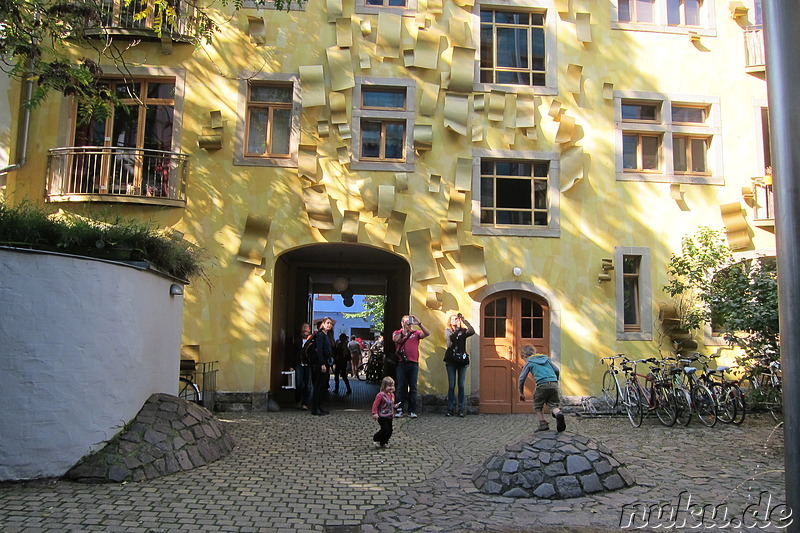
291	471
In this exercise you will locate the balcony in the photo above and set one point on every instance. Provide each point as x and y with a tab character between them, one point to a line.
754	49
120	19
116	174
764	204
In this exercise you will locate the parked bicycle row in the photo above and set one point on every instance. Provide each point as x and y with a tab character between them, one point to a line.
683	388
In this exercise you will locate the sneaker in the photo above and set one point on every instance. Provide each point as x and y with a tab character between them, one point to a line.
399	414
461	413
543	426
561	425
412	415
384	445
449	413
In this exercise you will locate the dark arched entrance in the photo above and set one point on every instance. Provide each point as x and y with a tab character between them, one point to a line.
311	269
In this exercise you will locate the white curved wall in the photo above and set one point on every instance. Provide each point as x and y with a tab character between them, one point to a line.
83	344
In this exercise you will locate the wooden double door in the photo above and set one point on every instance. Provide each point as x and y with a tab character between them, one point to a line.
509	321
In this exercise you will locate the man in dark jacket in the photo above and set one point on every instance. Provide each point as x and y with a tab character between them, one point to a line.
320	365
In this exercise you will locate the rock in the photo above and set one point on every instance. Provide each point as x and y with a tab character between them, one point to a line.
552	467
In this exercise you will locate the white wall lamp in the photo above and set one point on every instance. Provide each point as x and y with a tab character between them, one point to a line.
175	290
517	271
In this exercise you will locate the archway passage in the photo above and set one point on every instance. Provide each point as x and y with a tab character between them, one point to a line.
313	269
510	320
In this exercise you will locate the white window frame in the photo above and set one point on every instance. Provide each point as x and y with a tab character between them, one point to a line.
239	157
707	28
645	332
406	115
664	126
553	194
550	45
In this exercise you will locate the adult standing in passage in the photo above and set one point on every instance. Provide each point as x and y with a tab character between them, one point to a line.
406	341
355	355
301	365
323	358
456	333
341	354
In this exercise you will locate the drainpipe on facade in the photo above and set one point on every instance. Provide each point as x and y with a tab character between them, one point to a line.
22	134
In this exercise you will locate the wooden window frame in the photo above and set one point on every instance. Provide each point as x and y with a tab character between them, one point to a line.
643	331
530	27
640	156
635	276
271	107
384	115
533	209
240	155
689	157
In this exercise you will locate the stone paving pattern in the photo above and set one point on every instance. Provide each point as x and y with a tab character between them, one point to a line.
291	471
166	436
554	466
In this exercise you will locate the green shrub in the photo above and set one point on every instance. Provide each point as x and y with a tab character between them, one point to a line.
30	226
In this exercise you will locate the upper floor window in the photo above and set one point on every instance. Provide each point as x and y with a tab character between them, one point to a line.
664	140
383	117
268	120
512	47
517	195
373	7
669	16
129	152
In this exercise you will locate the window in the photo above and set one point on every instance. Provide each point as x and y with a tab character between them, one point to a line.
374	7
666	16
630	292
683	12
633	296
664	140
642	11
268	120
383	115
517	46
515	193
137	140
512	47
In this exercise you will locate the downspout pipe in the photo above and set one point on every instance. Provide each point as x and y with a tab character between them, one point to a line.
24	128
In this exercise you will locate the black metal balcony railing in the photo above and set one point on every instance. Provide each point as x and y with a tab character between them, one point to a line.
117	15
116	174
754	47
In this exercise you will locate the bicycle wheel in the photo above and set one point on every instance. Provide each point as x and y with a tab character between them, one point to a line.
773	401
741	404
704	405
683	403
665	405
610	390
726	403
361	373
633	405
187	390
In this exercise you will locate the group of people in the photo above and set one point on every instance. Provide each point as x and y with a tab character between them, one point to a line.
319	353
317	356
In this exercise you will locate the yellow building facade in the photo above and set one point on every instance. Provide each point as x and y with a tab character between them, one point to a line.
527	163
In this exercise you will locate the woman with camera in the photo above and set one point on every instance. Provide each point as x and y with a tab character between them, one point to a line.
406	343
456	360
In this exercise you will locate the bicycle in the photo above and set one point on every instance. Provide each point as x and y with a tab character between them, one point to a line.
655	395
765	388
187	389
372	370
728	395
703	403
612	391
